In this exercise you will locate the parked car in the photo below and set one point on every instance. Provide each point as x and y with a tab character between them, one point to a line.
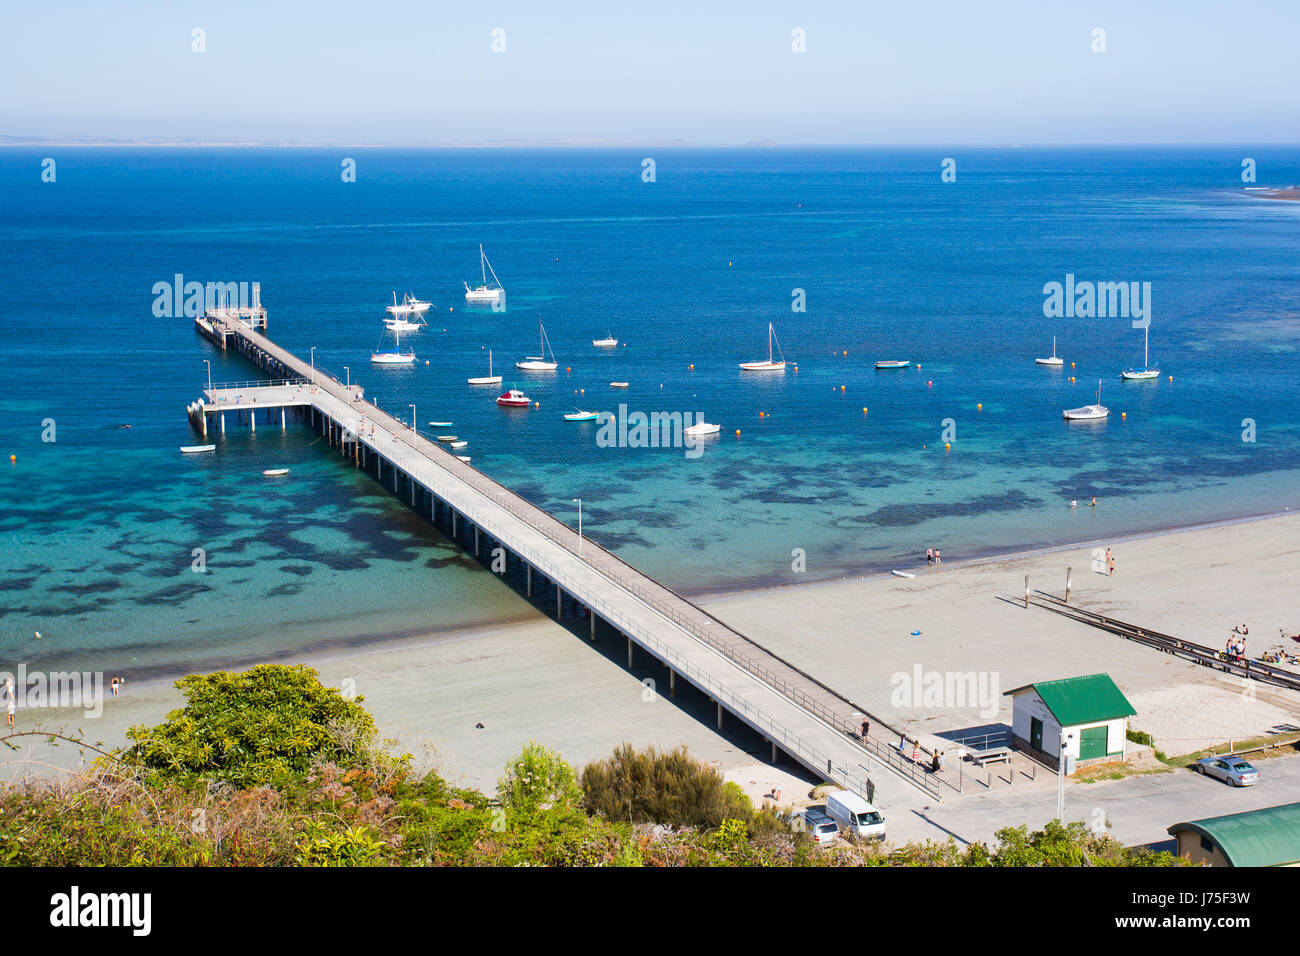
1235	771
816	824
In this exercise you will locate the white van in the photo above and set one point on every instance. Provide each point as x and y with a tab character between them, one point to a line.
855	815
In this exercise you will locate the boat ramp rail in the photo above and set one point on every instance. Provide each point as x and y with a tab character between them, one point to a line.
1177	646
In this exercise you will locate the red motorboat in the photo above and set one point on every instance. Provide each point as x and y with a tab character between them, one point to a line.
513	399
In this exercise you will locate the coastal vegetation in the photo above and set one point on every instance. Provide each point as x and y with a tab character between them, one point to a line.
270	768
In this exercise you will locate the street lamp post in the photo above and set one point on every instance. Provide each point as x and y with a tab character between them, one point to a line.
313	365
209	365
1060	779
413	429
579	501
349	372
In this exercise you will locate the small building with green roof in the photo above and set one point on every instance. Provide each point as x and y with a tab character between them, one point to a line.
1089	714
1266	837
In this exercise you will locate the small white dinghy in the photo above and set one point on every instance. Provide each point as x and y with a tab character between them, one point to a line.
700	429
464	458
196	449
440	424
618	384
1088	413
275	472
457	444
608	342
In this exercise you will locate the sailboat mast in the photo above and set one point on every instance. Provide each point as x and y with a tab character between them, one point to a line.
1146	350
769	343
482	269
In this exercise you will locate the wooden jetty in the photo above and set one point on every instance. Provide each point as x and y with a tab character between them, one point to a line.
796	713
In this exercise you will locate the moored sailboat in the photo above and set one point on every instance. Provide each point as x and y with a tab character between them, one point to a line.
1146	372
538	363
770	365
484	292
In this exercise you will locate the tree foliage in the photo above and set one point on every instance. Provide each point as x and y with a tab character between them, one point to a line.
265	726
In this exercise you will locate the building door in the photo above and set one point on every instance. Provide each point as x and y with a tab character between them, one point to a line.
1092	742
1035	733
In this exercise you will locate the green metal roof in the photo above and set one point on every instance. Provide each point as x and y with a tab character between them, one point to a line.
1267	837
1081	700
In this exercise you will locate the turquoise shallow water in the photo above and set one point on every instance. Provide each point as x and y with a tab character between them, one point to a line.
100	525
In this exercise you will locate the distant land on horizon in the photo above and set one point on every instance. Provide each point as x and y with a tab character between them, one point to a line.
167	142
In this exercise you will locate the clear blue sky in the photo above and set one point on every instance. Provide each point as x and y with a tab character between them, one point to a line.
950	71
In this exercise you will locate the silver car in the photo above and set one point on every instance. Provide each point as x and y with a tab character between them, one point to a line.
816	824
1235	771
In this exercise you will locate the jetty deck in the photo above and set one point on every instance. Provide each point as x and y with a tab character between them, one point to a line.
798	714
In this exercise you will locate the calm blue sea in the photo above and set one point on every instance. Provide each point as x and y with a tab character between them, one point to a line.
101	525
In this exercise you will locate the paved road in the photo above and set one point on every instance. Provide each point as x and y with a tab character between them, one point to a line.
1139	808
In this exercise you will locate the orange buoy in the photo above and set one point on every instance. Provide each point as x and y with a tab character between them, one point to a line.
692	367
930	384
979	406
1071	378
1124	415
760	414
1071	365
537	404
841	388
1171	378
582	391
737	432
845	352
13	457
947	445
864	409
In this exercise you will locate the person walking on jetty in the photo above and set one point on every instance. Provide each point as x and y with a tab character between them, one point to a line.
866	728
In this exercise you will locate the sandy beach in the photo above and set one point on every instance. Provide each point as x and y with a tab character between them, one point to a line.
538	680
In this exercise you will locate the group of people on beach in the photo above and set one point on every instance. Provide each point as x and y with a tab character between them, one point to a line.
1236	646
933	556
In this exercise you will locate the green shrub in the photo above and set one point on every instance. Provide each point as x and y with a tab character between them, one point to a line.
538	779
652	786
264	726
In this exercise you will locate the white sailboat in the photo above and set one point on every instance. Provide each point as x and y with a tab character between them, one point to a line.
1088	413
393	356
538	363
406	317
489	378
1054	362
409	305
1146	372
769	365
484	292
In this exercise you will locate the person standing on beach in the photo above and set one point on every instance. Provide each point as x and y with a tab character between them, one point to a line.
938	556
929	555
1093	503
